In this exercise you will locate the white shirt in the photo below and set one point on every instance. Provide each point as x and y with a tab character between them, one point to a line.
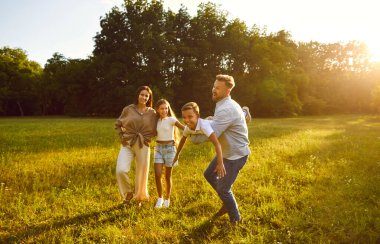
203	127
165	129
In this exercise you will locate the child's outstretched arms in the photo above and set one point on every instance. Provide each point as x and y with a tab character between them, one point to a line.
180	146
220	170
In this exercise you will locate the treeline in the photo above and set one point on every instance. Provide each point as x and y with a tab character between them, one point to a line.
178	56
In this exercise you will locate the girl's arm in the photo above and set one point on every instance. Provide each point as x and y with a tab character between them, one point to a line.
180	146
220	170
179	125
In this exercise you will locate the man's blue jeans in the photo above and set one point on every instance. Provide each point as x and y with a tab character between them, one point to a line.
223	185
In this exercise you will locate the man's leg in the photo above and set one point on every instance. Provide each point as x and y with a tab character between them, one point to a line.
223	186
210	175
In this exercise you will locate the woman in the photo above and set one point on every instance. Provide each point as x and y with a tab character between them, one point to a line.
136	126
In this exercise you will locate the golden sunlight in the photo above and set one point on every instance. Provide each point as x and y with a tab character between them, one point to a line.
374	49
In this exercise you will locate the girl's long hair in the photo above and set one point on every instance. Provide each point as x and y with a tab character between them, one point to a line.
170	114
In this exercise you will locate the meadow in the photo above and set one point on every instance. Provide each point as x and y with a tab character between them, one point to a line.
308	180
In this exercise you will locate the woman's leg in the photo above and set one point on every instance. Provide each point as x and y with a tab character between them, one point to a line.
142	170
123	166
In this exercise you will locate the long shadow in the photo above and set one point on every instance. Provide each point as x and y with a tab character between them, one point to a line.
209	230
199	234
48	143
43	179
38	229
37	135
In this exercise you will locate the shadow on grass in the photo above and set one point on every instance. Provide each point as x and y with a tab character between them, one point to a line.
38	229
200	233
212	229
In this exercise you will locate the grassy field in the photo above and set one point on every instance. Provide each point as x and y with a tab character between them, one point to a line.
308	180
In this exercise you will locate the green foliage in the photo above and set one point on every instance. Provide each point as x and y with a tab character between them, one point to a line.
308	180
178	56
340	79
19	78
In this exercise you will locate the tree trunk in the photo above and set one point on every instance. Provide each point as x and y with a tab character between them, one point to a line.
20	109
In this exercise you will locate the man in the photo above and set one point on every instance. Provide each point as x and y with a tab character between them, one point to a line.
229	124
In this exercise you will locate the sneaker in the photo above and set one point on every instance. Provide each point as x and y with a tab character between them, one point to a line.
159	202
166	203
248	116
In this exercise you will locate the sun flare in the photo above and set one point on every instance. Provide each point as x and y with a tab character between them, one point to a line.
374	50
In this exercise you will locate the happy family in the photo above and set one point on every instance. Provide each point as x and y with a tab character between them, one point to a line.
227	130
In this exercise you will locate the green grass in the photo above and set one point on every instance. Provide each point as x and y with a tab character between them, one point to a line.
308	180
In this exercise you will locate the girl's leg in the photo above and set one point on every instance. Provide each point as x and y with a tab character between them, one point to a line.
158	173
168	181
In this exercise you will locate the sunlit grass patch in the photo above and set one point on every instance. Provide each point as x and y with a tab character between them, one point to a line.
308	180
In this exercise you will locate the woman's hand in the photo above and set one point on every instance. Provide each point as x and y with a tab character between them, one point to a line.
124	141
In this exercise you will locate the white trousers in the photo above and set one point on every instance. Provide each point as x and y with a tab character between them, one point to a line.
123	166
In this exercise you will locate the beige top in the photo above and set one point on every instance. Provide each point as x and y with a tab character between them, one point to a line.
134	126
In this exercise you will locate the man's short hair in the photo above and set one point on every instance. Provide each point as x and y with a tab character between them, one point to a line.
228	80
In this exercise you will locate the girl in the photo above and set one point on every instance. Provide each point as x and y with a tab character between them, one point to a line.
165	149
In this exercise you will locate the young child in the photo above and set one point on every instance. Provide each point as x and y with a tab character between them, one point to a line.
196	125
165	149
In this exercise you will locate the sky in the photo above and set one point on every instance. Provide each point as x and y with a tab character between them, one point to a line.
43	27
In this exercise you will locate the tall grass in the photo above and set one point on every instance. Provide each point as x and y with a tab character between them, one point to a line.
308	180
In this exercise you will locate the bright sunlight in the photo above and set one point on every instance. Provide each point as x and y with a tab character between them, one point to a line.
374	49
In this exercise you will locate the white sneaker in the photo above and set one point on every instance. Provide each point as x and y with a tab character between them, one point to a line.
159	202
166	203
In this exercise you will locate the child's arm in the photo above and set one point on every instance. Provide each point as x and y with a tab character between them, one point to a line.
180	146
179	125
220	170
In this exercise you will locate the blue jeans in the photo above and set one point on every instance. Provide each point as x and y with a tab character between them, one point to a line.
223	185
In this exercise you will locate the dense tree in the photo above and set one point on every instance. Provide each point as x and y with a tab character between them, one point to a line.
130	50
18	82
201	66
51	88
178	61
339	77
178	55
